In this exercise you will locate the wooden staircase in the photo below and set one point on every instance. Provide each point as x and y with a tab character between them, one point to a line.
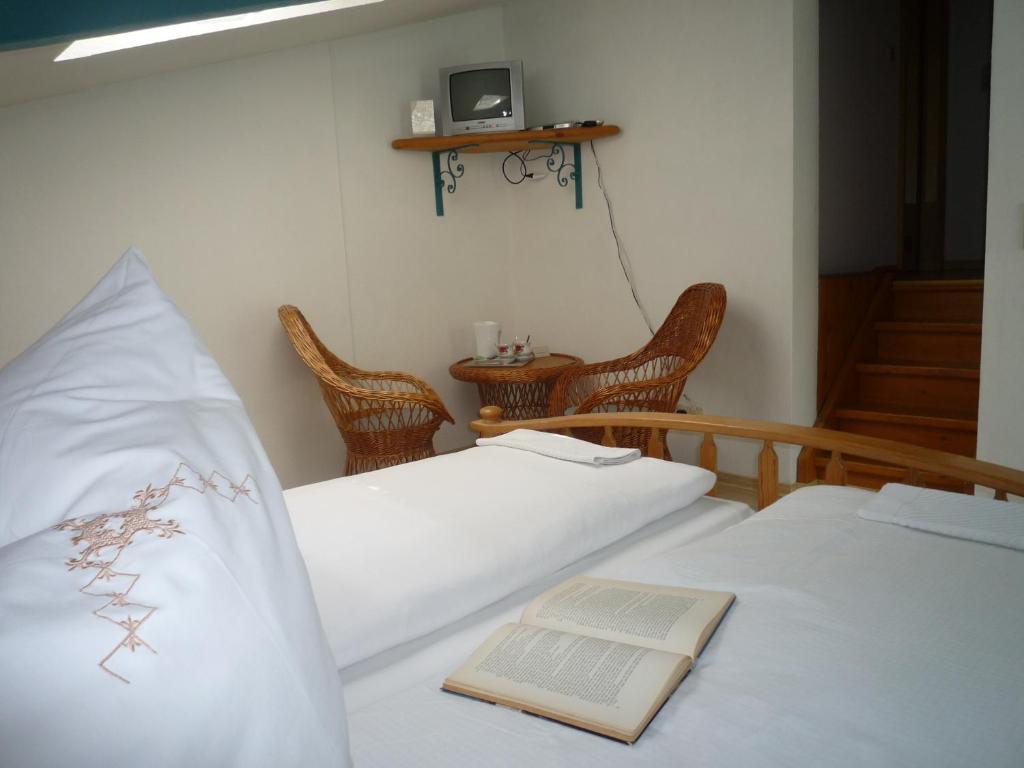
910	373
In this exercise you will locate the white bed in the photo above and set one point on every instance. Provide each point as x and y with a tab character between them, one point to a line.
397	553
856	639
851	643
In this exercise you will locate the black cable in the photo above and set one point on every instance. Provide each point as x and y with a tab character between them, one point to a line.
523	156
627	269
522	168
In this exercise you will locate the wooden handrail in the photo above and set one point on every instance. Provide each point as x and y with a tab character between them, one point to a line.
914	459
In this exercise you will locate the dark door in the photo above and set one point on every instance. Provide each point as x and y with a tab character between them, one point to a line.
945	69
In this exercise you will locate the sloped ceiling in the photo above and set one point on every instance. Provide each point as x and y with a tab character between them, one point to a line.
30	23
28	73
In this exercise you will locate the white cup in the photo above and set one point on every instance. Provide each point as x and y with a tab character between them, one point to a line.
487	332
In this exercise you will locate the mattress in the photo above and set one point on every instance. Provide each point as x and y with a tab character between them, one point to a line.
851	643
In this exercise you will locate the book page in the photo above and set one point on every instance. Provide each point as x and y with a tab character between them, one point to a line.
584	681
674	619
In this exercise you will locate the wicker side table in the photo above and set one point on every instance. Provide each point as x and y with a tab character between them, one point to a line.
523	392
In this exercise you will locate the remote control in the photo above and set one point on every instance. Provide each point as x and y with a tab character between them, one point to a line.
553	126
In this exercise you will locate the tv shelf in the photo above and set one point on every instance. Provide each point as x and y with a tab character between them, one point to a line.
508	142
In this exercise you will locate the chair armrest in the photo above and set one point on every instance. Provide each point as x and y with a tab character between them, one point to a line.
399	399
608	392
413	385
419	392
370	378
632	360
563	395
614	392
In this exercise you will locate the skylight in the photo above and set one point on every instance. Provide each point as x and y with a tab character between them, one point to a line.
93	46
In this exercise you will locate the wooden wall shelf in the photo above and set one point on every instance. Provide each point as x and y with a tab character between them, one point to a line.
508	142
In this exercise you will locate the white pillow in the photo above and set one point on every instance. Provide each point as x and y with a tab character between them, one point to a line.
399	552
974	518
154	605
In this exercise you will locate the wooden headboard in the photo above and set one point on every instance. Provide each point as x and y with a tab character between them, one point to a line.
913	459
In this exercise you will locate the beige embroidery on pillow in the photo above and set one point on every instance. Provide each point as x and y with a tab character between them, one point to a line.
107	535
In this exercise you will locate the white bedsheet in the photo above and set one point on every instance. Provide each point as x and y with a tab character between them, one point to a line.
850	644
397	553
418	660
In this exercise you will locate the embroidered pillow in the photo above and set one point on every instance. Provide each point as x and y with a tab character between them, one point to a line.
155	607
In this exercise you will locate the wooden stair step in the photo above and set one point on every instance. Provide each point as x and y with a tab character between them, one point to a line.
929	342
923	417
928	326
910	284
926	386
949	300
923	371
865	473
930	428
966	365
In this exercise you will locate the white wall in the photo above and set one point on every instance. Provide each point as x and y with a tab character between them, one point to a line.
1001	410
231	178
418	281
225	177
806	241
702	181
270	179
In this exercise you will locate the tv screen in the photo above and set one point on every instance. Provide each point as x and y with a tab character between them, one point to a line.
480	94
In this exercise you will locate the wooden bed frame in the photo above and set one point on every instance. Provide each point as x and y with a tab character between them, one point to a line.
913	459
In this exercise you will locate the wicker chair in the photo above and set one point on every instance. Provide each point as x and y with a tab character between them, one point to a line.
651	379
385	417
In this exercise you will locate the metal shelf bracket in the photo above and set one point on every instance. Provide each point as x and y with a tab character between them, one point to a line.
453	171
448	173
565	171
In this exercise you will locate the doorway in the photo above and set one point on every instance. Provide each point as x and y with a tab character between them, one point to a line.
904	100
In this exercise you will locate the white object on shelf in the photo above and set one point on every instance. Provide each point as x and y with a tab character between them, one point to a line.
422	112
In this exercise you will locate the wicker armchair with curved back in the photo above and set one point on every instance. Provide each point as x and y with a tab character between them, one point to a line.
385	417
650	379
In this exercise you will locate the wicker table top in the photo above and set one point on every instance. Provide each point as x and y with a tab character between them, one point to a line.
541	369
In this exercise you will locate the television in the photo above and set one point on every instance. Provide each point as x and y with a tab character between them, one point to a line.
478	98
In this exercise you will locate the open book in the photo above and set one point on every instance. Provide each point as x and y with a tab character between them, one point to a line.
596	654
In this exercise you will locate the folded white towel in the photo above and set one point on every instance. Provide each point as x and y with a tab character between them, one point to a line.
953	514
562	447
